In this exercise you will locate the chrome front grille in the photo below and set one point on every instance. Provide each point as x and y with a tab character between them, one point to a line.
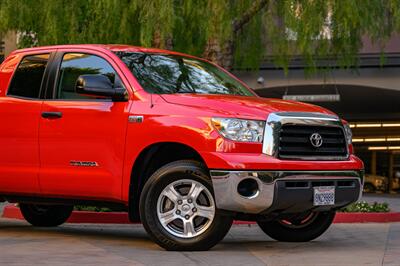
287	135
295	141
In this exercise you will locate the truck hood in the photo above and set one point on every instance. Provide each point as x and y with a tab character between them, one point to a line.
241	106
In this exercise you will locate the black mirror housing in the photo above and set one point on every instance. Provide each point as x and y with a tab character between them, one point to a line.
99	85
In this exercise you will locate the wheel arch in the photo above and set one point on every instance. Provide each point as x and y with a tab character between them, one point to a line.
148	161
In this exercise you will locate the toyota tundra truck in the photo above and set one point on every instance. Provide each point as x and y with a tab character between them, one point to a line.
176	141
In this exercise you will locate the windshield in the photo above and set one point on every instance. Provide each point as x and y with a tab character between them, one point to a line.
166	74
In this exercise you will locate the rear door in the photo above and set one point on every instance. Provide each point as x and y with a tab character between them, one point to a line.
82	138
20	109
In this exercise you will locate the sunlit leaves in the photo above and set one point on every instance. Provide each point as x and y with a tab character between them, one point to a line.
278	31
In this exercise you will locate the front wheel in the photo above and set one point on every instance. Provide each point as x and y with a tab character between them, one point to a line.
45	215
298	228
178	209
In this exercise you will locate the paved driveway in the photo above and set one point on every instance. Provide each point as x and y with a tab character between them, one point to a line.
72	244
392	199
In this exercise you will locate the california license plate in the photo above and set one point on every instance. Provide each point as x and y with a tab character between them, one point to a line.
324	196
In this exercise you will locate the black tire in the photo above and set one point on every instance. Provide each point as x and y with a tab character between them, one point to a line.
165	176
369	188
45	215
285	232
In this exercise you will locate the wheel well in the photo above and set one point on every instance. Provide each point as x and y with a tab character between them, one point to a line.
149	161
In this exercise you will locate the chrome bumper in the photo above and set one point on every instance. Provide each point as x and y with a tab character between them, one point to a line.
274	191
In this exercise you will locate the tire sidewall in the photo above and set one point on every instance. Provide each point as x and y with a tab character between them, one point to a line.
148	207
280	232
54	215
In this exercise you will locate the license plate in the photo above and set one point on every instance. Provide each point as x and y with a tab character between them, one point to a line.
324	196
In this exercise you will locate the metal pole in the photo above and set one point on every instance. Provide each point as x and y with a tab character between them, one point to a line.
373	163
390	177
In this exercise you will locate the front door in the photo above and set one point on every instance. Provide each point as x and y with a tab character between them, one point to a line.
82	138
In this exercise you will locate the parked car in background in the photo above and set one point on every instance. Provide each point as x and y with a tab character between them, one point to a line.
396	184
377	183
176	141
374	183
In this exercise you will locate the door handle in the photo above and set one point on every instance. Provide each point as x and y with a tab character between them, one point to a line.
51	115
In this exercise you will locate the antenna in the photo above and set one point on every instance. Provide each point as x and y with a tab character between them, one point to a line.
151	100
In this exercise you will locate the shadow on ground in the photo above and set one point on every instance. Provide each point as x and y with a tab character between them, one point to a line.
343	244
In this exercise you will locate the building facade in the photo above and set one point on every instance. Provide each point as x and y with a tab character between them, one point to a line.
368	97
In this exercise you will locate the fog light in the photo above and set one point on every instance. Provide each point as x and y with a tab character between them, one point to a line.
248	188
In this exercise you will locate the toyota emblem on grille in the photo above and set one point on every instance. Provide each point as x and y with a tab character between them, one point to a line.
316	140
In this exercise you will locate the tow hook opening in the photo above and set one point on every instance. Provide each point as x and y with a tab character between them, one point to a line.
248	188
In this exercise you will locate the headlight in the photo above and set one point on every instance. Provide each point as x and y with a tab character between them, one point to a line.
240	129
349	134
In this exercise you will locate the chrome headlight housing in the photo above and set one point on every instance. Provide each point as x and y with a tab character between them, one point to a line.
240	129
348	133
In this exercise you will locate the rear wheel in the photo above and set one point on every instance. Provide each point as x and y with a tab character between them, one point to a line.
298	228
45	215
178	209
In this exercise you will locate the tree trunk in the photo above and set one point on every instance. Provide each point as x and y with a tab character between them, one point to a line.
223	53
219	54
158	41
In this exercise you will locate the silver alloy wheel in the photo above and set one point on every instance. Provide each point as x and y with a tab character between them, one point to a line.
185	208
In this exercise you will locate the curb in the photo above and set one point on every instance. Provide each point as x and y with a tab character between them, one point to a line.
13	212
372	217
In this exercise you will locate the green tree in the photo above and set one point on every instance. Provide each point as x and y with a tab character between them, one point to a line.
237	33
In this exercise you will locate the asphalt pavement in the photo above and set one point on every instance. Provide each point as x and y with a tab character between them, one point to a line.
99	244
392	199
77	244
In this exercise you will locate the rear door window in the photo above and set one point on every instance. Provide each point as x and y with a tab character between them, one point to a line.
28	77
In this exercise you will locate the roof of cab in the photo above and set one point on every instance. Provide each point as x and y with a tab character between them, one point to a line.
110	47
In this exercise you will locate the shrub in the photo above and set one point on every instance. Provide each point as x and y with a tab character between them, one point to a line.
364	206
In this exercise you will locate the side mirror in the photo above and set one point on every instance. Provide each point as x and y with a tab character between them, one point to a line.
99	85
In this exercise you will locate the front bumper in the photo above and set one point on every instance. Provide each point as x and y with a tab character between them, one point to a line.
282	191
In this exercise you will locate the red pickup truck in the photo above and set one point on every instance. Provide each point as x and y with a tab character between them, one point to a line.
179	143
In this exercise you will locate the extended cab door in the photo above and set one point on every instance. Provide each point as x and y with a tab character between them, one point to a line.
82	138
20	107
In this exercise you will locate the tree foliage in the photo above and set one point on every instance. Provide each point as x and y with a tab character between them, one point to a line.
233	33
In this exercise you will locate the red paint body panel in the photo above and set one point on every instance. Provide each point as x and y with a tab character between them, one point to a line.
19	137
36	152
83	134
19	145
89	131
240	106
253	161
